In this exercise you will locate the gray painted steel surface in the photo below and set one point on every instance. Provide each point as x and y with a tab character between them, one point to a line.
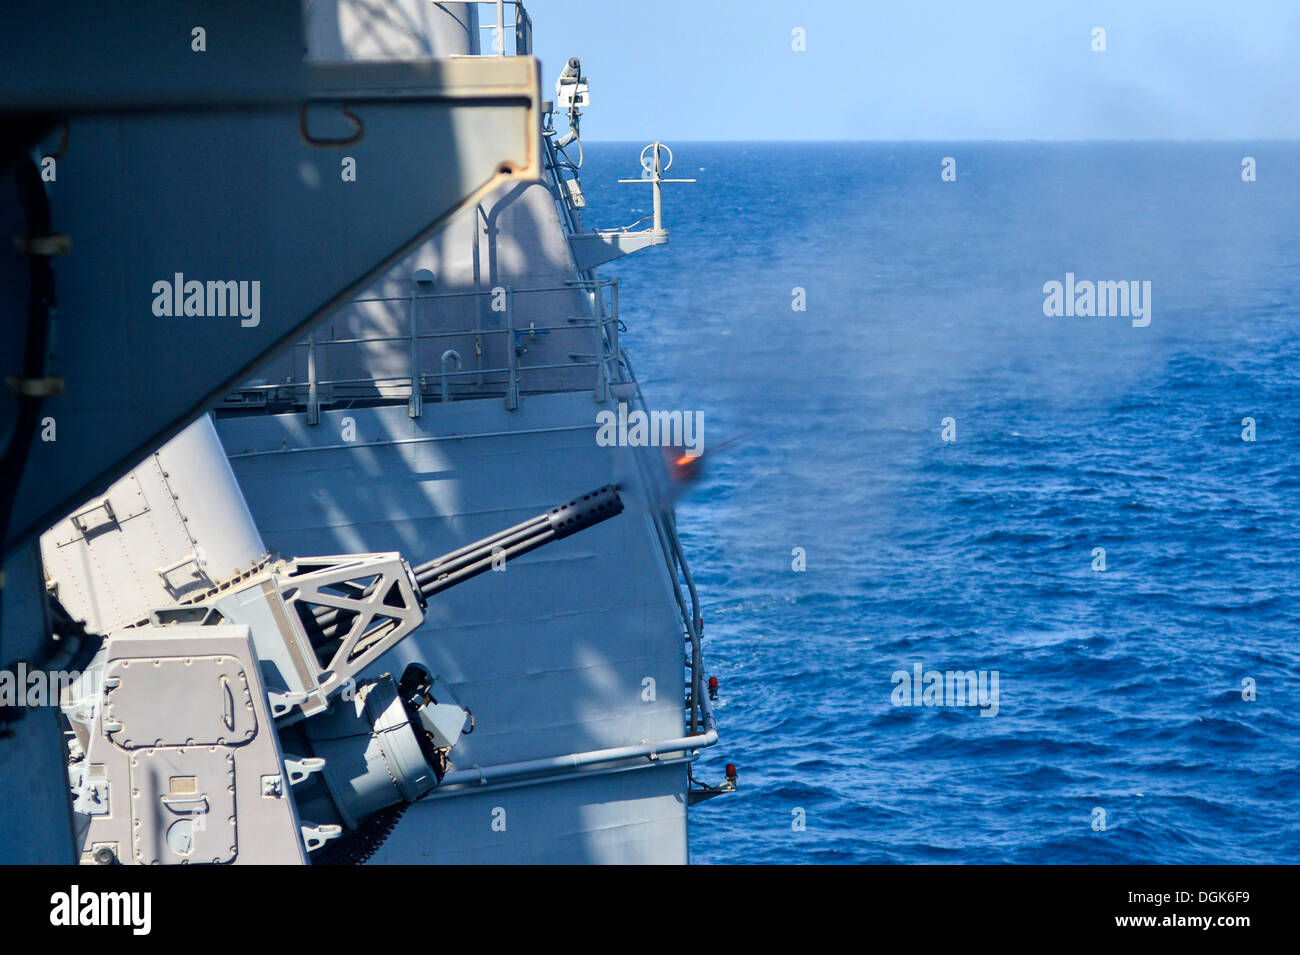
454	394
551	655
145	178
255	196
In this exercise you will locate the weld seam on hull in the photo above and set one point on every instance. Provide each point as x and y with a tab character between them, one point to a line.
435	437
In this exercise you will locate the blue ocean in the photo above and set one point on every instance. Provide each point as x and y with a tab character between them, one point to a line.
1103	511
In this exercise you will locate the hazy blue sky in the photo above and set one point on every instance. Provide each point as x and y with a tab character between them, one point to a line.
929	69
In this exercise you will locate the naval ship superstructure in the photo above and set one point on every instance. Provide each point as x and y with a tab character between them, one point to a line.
290	707
460	393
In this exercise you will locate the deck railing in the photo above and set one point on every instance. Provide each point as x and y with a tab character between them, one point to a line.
496	26
417	383
699	711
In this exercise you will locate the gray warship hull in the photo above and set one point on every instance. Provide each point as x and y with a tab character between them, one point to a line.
460	393
429	370
551	654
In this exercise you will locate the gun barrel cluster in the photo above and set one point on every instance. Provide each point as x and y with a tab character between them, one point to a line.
458	566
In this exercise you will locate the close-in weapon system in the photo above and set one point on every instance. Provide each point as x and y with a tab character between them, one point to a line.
235	722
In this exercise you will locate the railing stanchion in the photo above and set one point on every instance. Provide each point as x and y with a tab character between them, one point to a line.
415	407
512	380
613	308
313	399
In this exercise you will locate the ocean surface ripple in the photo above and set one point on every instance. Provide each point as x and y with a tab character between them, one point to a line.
1119	690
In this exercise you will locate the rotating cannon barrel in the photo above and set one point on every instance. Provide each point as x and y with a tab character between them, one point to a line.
557	523
461	564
